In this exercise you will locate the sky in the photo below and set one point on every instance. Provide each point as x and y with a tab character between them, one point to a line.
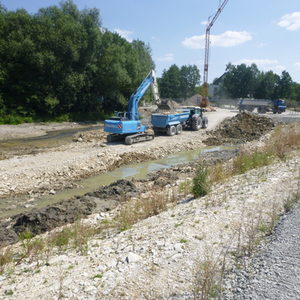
265	32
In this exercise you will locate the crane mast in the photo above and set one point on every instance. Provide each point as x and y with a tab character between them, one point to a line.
210	23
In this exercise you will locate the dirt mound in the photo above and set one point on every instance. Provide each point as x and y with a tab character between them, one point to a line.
90	136
47	218
67	211
132	158
243	127
116	190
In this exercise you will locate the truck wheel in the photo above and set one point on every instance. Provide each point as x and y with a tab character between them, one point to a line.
204	122
128	140
171	130
196	123
178	129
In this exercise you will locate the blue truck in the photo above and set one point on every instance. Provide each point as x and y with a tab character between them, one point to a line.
174	122
262	105
128	126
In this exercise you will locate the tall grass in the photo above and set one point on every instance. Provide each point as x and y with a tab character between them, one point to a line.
201	182
139	209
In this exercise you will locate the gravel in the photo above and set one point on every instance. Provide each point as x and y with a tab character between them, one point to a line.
274	273
157	258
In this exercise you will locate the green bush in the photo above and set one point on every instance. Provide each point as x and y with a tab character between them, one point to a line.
201	183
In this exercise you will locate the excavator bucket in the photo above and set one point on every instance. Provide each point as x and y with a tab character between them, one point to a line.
165	105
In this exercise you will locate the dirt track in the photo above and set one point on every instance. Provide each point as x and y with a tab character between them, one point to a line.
58	168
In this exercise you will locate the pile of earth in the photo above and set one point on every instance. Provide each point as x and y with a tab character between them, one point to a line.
133	158
67	211
244	127
90	136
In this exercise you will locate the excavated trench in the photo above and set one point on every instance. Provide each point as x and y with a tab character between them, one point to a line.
68	206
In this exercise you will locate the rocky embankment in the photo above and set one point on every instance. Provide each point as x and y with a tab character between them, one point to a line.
161	257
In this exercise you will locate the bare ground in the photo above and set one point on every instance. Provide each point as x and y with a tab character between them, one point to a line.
159	257
60	167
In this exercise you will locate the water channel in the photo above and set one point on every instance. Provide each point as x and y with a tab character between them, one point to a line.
12	206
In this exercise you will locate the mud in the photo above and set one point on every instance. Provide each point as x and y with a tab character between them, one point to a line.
104	199
244	127
68	211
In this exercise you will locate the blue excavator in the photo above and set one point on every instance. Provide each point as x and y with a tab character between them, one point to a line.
127	125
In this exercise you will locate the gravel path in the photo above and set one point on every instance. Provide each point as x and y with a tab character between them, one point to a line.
275	272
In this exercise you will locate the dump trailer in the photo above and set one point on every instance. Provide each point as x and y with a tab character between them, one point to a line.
173	123
262	105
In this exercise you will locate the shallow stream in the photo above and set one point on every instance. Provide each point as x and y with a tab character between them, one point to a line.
12	206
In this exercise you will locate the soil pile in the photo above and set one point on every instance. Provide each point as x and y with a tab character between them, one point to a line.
243	127
66	211
133	158
90	136
116	190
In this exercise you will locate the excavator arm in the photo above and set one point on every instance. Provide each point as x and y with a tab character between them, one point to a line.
139	93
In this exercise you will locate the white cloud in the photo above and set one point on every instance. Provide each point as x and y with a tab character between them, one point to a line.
262	45
290	21
166	57
258	62
226	39
124	33
262	64
204	22
297	64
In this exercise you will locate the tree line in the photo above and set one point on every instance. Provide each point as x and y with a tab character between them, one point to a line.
242	81
61	64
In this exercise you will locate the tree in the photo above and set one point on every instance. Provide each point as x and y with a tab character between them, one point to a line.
240	81
267	85
179	83
60	61
189	79
284	89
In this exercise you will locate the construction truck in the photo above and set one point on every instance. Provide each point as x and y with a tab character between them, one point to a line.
127	125
173	123
262	105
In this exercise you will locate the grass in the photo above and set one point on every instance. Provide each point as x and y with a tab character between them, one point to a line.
208	276
6	256
283	141
185	187
201	183
136	210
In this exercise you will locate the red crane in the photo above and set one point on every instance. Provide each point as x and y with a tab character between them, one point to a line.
210	23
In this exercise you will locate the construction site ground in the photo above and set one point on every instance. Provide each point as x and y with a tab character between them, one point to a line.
158	258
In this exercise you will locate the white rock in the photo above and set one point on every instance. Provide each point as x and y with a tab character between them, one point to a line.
132	258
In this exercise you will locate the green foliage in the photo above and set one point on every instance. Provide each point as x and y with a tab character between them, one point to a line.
247	161
179	83
243	81
60	63
201	183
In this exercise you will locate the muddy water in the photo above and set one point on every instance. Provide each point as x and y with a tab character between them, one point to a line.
12	206
37	144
